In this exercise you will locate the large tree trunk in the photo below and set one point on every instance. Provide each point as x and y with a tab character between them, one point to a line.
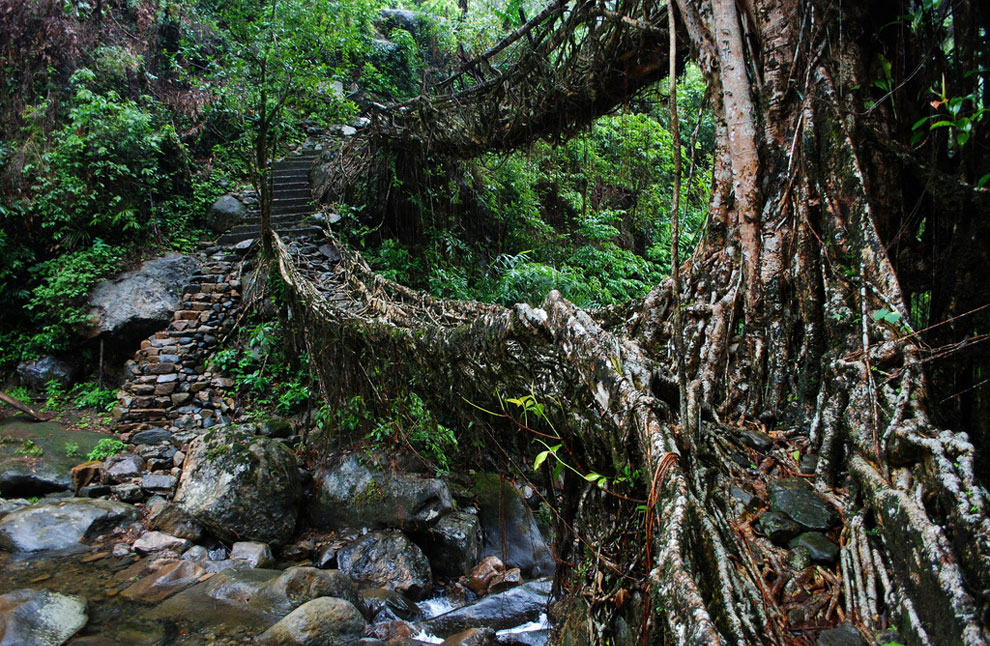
779	301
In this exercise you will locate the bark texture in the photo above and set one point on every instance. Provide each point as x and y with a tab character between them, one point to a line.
778	306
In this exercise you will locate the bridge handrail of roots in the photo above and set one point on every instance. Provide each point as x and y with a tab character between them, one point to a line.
569	64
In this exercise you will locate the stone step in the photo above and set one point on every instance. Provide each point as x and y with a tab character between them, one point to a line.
300	174
283	193
234	238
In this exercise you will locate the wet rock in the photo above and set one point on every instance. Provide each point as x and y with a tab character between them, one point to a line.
844	635
509	579
39	618
778	527
259	595
151	437
509	529
36	374
121	467
453	544
498	611
472	637
158	542
241	485
795	498
225	213
128	492
33	456
325	557
8	505
298	551
820	549
140	302
389	605
58	524
324	621
481	576
175	520
351	494
168	580
757	440
390	560
253	554
394	633
196	554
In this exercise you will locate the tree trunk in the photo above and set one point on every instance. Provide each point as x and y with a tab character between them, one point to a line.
780	301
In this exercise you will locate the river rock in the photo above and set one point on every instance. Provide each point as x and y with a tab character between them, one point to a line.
252	554
121	467
472	637
37	374
819	547
151	437
40	618
498	611
173	519
168	580
159	542
241	485
454	543
140	302
389	605
325	621
390	560
58	524
481	575
352	494
795	498
35	457
509	529
226	212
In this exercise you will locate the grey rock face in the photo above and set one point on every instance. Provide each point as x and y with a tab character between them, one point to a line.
390	560
252	554
796	499
174	520
324	621
350	494
506	520
36	374
454	543
139	302
39	618
58	524
504	610
33	458
121	467
226	212
241	485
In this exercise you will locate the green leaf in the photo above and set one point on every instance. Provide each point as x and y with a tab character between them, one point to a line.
983	181
880	314
592	476
797	456
540	458
892	317
920	122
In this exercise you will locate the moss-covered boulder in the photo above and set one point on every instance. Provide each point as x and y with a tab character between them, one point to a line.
241	486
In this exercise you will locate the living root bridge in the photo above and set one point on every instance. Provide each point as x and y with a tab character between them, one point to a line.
367	334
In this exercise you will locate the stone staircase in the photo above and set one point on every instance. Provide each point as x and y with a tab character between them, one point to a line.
293	212
169	384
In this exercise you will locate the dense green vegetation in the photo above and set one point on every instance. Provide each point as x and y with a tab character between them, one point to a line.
112	149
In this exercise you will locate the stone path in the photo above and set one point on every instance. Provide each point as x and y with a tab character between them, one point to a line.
169	385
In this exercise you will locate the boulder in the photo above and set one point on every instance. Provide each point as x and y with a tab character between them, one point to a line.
389	605
58	524
509	530
121	468
351	494
400	18
795	498
37	374
498	611
481	576
159	542
240	485
325	621
174	520
225	213
39	617
168	580
844	635
252	553
390	560
778	527
140	302
453	544
37	457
